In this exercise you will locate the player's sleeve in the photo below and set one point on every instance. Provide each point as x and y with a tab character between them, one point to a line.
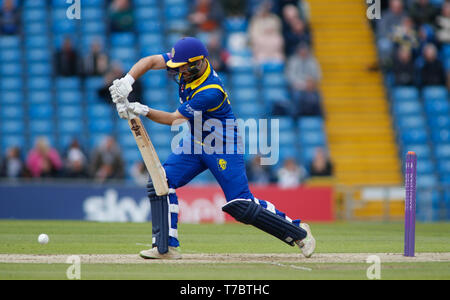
203	101
167	57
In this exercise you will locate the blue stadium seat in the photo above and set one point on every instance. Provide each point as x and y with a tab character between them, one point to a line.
96	138
14	140
35	28
151	39
38	55
441	121
425	166
39	69
42	127
123	40
156	80
123	127
285	123
123	53
441	136
12	112
28	4
99	111
10	69
64	26
244	81
12	127
405	122
248	110
437	107
103	126
94	83
444	166
245	95
273	80
423	151
414	136
310	123
407	108
10	55
36	41
435	93
34	15
95	3
40	111
147	13
442	151
271	95
59	4
156	96
11	98
312	138
287	138
126	140
66	83
175	12
286	152
277	68
144	3
148	26
427	181
69	97
400	93
9	42
70	112
72	127
93	27
93	13
235	24
40	97
40	83
11	83
307	154
131	155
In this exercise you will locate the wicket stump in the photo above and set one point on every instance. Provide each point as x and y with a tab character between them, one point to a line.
410	203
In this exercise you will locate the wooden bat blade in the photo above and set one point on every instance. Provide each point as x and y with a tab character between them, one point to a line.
150	157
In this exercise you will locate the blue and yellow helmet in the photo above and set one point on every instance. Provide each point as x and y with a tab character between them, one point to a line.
187	50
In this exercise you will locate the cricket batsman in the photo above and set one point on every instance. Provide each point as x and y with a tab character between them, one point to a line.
201	94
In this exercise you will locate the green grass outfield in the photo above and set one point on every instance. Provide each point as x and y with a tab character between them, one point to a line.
334	240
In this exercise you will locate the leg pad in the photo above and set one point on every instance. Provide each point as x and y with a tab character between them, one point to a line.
248	212
160	219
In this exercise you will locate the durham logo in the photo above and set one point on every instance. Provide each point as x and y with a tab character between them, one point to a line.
222	164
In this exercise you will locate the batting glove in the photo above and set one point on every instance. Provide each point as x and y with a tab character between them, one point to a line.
123	111
138	109
121	88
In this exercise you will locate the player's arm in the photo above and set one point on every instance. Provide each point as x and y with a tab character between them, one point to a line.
121	88
158	116
153	62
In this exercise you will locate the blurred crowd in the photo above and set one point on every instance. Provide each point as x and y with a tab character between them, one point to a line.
277	32
410	36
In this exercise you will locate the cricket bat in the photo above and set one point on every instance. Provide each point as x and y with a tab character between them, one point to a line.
150	157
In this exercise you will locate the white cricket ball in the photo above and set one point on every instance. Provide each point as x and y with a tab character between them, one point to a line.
43	239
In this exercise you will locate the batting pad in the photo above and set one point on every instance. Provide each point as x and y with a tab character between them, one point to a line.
159	206
248	212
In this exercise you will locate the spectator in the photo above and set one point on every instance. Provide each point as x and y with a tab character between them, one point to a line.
9	18
96	62
113	73
443	24
66	59
140	174
308	102
76	162
258	173
218	57
233	8
295	30
106	162
423	12
321	164
265	32
432	72
385	26
300	67
206	15
291	174
13	166
406	35
403	67
301	6
121	16
42	160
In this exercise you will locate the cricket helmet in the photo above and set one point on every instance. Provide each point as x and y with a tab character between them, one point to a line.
187	50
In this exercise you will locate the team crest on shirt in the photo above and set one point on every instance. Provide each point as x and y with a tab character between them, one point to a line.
222	164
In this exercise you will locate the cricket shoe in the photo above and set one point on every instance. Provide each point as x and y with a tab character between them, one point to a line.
154	254
308	244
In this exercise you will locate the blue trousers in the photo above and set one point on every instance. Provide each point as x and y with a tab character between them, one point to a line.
229	171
